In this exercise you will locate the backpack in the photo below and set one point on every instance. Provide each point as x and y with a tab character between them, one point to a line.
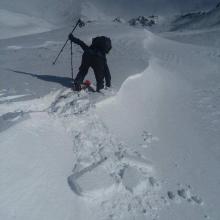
102	43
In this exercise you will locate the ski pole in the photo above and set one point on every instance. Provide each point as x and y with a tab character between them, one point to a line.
77	23
72	60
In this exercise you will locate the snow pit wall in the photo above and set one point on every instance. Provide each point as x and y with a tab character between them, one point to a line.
136	102
148	101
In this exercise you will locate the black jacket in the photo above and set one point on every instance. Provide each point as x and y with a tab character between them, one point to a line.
97	57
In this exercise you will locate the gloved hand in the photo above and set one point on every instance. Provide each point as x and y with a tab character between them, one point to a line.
71	37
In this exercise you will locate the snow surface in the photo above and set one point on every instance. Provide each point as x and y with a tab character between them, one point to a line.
15	24
146	149
172	101
53	11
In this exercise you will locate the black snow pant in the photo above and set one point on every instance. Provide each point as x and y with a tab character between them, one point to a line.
99	66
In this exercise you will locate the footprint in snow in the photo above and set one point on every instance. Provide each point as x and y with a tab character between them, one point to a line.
186	194
148	139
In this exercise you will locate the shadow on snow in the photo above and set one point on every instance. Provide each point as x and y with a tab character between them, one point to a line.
64	81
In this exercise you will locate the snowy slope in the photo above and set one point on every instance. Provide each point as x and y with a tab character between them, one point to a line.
149	152
31	58
15	24
33	184
29	17
200	20
26	72
55	12
175	100
170	109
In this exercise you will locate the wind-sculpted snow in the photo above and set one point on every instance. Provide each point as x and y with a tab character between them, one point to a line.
172	100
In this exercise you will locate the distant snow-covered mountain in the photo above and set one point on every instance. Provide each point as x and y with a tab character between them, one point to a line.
62	12
128	8
198	20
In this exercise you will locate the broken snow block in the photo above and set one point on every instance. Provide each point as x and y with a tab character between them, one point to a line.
131	178
95	179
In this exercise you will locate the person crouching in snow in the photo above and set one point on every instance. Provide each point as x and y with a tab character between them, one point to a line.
94	56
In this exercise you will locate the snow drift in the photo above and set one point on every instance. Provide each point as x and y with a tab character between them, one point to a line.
134	110
166	102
